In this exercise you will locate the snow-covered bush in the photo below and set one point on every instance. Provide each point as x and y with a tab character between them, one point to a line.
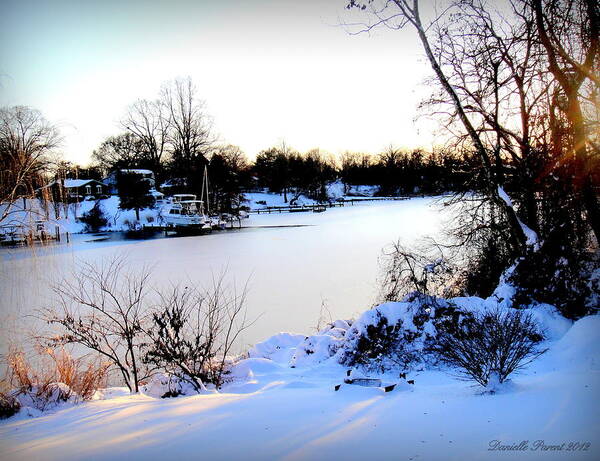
45	396
277	347
395	335
381	341
489	346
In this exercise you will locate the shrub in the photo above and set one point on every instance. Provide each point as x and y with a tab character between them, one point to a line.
82	376
193	331
488	347
94	219
164	386
381	341
9	406
100	307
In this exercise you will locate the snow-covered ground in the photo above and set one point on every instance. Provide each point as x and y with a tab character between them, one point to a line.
272	411
335	191
257	200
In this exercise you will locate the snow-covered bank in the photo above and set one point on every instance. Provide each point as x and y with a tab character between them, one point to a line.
67	216
275	412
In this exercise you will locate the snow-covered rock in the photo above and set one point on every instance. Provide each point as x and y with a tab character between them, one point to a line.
249	368
279	347
164	385
318	348
45	398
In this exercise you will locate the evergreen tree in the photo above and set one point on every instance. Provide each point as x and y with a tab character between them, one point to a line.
134	192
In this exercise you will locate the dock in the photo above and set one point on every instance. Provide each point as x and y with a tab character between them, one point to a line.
320	207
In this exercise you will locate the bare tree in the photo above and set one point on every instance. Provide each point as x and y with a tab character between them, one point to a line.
233	155
574	60
101	307
120	151
26	141
407	272
401	13
150	122
190	128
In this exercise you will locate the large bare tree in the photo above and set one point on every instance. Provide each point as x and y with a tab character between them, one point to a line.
190	129
503	70
402	13
569	31
121	151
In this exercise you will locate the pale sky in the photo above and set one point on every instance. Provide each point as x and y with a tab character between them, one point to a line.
269	70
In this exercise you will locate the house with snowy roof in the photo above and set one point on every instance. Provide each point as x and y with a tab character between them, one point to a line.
72	190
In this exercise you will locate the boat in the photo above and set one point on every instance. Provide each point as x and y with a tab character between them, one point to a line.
184	213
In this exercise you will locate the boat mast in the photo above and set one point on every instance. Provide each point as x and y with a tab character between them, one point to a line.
205	188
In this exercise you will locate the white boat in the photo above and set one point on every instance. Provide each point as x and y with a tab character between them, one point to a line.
184	212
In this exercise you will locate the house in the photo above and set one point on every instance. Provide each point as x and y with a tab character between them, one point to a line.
112	179
72	190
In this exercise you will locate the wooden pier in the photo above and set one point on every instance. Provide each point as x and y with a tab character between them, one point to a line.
20	234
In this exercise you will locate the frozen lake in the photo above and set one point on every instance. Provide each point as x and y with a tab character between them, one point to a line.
331	258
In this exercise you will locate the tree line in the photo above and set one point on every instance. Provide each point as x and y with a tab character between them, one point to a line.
173	137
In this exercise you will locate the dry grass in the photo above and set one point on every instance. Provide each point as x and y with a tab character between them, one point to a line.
82	377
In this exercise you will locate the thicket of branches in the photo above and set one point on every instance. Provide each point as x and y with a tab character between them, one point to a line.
192	332
102	308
